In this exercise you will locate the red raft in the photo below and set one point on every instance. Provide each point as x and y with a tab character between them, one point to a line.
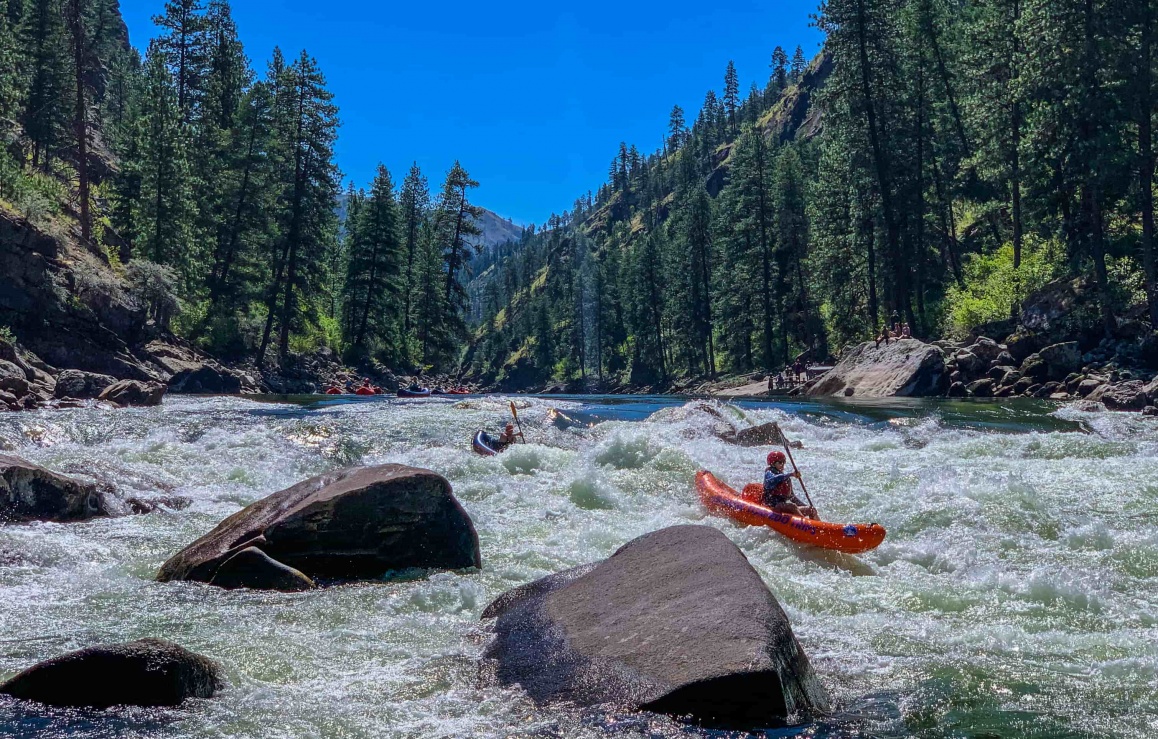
851	538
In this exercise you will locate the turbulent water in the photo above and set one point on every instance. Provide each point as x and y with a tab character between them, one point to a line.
1016	594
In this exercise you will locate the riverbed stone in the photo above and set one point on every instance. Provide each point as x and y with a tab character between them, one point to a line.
1021	344
986	349
1000	375
1124	396
969	364
676	621
204	379
254	569
981	388
29	492
351	524
9	402
147	672
133	392
73	383
1151	391
1150	411
1061	359
13	379
1047	390
902	368
957	390
1088	385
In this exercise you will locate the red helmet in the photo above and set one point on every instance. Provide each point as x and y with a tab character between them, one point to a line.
776	458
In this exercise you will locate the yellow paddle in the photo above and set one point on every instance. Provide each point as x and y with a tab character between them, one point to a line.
515	413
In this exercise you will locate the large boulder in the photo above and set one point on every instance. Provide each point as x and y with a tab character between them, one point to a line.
1062	359
969	364
986	350
1021	344
676	621
1124	396
13	379
205	380
355	523
133	392
29	492
73	383
147	672
906	367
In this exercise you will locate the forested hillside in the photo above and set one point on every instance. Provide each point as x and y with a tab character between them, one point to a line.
938	163
205	192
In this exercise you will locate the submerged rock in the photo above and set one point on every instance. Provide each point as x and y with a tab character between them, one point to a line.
676	621
29	492
766	434
356	523
147	672
903	368
254	569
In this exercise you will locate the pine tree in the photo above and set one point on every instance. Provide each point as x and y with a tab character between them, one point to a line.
732	97
415	202
455	228
676	129
372	295
799	64
183	44
247	229
305	126
9	58
47	98
162	219
779	79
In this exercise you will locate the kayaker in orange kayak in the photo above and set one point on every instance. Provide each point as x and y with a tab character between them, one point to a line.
778	493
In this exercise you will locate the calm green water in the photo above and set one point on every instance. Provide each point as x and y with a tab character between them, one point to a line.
1016	595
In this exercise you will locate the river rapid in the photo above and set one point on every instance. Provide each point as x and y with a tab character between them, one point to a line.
1015	596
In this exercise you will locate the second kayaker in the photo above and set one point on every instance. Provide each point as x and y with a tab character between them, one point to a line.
778	494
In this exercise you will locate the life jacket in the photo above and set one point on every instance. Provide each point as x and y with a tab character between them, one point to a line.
778	494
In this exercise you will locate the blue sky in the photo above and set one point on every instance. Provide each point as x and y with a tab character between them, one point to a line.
532	97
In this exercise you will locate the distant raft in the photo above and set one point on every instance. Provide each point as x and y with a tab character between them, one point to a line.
487	446
851	538
405	392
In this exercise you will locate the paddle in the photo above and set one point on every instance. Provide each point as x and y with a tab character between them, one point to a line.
788	450
515	413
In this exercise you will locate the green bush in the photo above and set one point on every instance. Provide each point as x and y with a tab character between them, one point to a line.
993	287
34	195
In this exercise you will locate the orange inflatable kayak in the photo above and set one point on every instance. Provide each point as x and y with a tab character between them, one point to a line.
851	538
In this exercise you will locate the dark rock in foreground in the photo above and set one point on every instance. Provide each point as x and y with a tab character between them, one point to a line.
357	523
148	672
676	621
901	368
29	492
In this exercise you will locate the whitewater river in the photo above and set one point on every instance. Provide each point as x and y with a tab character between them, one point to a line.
1016	594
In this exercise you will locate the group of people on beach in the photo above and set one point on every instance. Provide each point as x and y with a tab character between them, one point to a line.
791	376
